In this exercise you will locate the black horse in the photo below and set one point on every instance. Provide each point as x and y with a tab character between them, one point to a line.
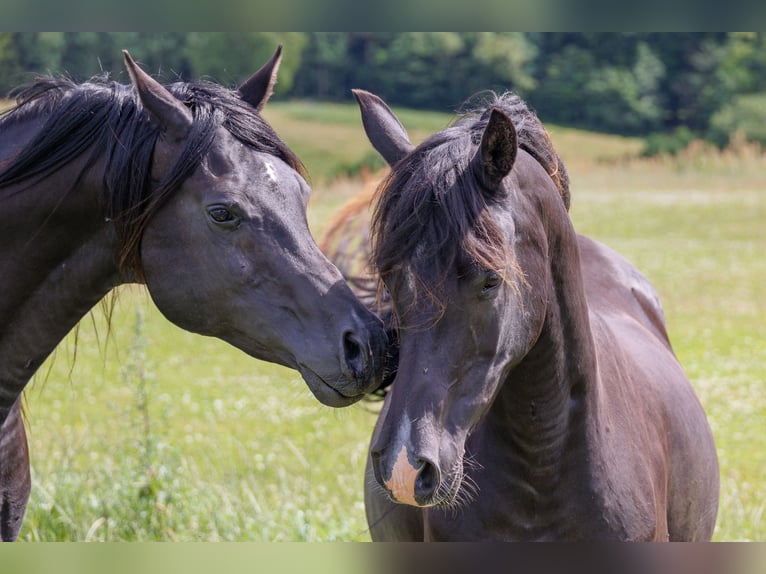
184	188
537	395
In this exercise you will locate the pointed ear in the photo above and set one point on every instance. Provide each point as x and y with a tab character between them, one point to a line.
385	132
257	90
497	152
174	117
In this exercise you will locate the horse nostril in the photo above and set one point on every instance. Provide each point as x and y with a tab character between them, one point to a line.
353	355
427	481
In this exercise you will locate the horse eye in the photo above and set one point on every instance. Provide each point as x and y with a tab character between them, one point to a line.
220	214
491	282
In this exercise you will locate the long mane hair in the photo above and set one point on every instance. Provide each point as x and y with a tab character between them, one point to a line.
433	217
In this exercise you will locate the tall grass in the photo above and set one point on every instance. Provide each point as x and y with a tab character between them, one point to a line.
165	435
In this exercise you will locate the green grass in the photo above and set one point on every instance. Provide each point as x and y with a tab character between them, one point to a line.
153	433
234	449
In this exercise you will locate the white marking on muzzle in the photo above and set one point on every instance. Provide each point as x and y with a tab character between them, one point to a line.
402	481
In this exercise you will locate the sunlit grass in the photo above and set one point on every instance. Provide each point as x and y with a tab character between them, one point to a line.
238	449
235	449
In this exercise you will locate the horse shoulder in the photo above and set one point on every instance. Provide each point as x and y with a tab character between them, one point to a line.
628	326
648	421
613	285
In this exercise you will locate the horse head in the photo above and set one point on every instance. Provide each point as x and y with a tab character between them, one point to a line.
461	250
229	253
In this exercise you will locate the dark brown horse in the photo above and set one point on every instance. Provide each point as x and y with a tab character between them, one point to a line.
184	188
537	396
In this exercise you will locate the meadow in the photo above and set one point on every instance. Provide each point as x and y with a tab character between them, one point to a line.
142	431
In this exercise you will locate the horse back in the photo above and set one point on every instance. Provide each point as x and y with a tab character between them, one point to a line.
614	286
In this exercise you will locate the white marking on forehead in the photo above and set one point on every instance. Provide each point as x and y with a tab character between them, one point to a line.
271	172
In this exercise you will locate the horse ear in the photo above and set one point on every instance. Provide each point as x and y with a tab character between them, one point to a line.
174	117
257	90
497	152
384	130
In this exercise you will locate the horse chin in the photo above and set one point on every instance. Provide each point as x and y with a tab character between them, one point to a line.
456	490
451	500
445	499
321	389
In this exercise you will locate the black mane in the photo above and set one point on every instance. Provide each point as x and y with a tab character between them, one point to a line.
106	117
432	214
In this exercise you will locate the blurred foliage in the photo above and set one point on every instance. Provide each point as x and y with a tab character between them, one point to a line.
743	116
671	142
625	83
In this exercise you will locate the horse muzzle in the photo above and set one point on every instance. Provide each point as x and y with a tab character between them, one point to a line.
363	350
414	481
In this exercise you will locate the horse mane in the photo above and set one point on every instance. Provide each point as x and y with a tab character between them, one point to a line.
431	212
106	117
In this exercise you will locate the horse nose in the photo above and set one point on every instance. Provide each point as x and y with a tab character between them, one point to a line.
363	347
426	482
355	355
414	485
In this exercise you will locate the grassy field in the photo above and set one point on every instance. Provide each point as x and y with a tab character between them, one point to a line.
152	433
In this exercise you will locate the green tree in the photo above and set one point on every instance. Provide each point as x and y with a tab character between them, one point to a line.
627	97
9	66
744	63
420	69
161	54
506	59
562	85
633	83
231	57
324	67
23	54
87	54
692	88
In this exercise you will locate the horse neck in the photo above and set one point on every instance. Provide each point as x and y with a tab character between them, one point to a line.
539	408
57	260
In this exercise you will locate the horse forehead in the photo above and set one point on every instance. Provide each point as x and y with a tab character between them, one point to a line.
236	161
229	156
276	175
271	173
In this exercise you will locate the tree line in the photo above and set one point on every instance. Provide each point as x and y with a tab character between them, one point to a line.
682	85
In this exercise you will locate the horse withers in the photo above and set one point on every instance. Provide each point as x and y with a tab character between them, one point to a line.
185	188
537	395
